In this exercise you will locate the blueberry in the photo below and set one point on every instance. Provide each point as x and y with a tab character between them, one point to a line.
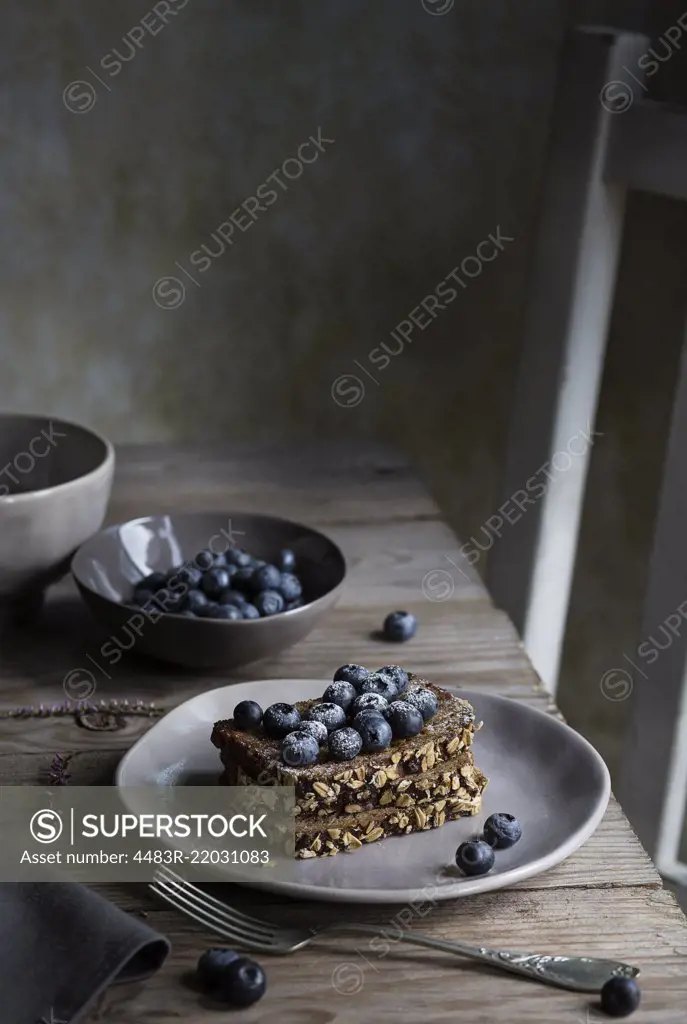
204	560
354	674
247	714
424	700
369	702
379	683
187	613
243	983
286	560
367	713
340	693
267	577
249	611
316	729
291	605
475	857
620	997
375	733
189	575
399	626
234	597
155	581
242	577
269	602
238	557
211	966
228	611
331	715
167	601
299	749
208	611
502	830
194	601
345	744
398	674
404	719
214	581
141	597
279	720
290	586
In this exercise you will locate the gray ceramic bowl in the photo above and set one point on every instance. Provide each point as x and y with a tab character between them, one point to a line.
107	567
55	482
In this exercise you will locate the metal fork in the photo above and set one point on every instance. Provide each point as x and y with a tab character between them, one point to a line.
579	973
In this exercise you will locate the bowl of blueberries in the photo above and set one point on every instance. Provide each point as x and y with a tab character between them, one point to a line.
206	589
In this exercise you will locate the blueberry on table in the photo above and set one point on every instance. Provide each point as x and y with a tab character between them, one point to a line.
289	586
269	602
378	682
502	830
316	729
279	720
369	702
286	560
425	701
341	693
267	577
399	627
249	611
331	715
620	997
375	732
345	744
299	749
243	983
228	611
212	964
354	674
247	714
397	674
404	719
475	857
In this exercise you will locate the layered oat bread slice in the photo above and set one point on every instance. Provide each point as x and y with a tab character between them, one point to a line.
348	793
449	733
456	795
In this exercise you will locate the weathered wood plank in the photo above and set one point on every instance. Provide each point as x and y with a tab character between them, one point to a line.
351	980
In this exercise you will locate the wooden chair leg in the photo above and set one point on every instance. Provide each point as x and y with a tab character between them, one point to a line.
571	291
653	782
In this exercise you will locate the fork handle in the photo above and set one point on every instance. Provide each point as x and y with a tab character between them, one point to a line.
579	973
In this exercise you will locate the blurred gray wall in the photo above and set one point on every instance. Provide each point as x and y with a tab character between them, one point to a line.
134	130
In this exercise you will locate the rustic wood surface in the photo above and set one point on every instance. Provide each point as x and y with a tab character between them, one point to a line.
607	899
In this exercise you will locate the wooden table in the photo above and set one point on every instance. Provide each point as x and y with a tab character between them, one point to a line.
607	899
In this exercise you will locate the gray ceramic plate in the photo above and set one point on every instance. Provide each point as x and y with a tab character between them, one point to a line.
538	769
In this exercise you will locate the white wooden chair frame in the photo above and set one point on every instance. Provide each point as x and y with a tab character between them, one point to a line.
606	138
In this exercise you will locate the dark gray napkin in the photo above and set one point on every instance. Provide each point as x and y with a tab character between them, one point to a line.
61	945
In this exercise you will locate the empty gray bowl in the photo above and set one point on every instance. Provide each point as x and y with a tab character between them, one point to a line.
107	567
55	482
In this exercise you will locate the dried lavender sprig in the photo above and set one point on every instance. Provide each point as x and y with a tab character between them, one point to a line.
123	707
57	773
